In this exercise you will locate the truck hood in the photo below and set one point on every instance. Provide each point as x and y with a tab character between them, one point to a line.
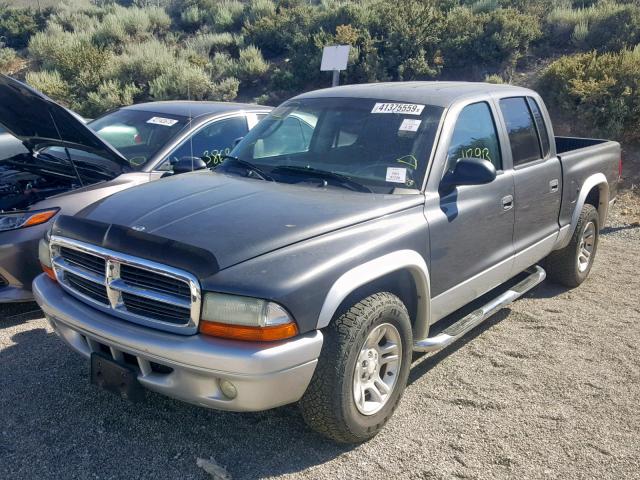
234	219
38	122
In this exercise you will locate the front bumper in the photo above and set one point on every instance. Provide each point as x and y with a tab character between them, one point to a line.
189	368
19	263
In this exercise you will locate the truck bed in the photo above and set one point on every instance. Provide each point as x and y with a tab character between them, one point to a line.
581	158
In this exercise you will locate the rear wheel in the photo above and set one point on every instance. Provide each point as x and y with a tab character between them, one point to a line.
362	370
571	265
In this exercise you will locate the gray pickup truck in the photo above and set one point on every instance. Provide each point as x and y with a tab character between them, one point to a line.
350	228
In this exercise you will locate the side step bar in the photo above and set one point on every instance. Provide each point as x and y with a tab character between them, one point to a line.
475	318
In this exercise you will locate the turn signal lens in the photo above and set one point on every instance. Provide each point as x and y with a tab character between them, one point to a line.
50	273
253	334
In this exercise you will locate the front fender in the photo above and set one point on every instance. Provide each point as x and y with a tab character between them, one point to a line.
311	278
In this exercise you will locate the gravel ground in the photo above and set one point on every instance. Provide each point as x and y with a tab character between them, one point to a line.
548	388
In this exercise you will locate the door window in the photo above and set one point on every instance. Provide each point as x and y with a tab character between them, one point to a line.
523	137
540	125
475	136
210	143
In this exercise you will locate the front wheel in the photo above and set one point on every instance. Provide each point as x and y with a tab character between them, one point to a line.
362	370
571	265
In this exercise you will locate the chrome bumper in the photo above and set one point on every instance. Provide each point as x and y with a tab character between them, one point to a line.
189	368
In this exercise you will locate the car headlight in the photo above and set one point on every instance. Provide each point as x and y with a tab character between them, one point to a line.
245	318
13	221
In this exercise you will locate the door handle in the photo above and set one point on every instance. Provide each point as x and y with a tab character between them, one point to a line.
553	185
507	202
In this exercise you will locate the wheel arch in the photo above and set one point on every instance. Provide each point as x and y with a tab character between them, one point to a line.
390	269
594	191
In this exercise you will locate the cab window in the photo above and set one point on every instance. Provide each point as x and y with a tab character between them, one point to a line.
523	136
211	143
540	125
475	136
292	135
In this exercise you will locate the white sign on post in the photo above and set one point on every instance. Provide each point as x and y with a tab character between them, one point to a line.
335	58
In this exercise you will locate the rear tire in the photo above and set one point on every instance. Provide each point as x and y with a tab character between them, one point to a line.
362	370
571	265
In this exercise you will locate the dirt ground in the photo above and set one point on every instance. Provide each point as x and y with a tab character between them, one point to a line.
549	388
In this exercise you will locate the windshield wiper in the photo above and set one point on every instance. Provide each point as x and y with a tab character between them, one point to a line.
341	179
250	167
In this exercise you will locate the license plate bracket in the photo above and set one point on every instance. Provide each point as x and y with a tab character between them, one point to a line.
115	377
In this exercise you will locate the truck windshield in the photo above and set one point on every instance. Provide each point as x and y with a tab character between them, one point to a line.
377	144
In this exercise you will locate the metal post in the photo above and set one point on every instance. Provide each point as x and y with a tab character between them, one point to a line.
336	78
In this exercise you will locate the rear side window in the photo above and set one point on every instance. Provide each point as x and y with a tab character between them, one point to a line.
523	136
542	128
475	136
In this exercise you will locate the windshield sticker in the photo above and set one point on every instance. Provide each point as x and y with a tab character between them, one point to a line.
410	125
167	122
404	108
396	175
409	160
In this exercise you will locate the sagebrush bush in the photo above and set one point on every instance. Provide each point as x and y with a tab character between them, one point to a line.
206	44
181	81
73	55
18	25
221	66
599	90
620	29
251	65
51	84
110	94
140	63
8	59
257	9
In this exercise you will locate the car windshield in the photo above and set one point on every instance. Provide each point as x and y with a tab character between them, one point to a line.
376	144
137	134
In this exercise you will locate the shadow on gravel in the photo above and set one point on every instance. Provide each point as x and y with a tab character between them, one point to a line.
14	313
54	424
547	289
422	368
610	230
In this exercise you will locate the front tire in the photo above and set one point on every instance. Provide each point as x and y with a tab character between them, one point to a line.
571	265
362	370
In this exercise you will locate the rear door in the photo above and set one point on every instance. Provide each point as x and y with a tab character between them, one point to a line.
537	178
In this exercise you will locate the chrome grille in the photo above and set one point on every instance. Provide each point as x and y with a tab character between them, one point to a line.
128	287
86	287
90	262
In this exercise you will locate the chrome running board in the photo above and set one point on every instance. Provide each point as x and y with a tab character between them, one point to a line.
475	318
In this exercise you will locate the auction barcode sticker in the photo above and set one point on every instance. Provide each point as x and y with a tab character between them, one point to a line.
396	175
167	122
404	108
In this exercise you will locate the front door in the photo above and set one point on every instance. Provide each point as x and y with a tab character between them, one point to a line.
471	227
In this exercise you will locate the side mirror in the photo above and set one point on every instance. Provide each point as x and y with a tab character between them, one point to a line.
469	171
188	164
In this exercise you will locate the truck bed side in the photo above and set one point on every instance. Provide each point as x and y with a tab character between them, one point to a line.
581	159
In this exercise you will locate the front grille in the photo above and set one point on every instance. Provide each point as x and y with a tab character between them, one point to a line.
84	260
92	290
131	288
154	309
138	277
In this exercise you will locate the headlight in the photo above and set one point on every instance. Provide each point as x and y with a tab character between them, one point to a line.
245	318
13	221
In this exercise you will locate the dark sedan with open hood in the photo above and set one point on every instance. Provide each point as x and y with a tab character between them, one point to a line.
52	163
